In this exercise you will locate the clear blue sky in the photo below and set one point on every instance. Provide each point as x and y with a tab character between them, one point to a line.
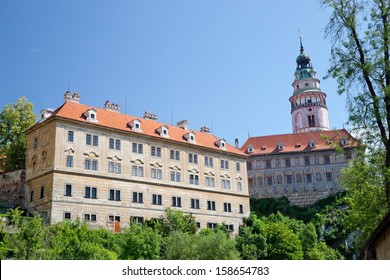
225	64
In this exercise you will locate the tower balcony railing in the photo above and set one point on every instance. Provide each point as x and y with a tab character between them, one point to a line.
308	104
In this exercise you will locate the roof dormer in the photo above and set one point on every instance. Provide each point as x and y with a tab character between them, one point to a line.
91	115
135	125
344	142
221	143
163	131
250	149
312	144
280	146
190	137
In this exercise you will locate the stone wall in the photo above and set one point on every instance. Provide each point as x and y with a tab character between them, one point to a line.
12	188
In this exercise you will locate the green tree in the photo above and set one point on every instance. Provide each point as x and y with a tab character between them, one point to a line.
76	241
174	221
251	242
141	243
365	196
14	120
360	61
24	237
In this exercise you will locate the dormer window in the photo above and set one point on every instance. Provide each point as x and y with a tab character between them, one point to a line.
263	148
91	115
280	147
163	131
250	149
190	137
344	142
312	144
135	125
221	143
298	145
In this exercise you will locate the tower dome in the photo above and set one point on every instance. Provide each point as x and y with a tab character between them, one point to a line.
308	103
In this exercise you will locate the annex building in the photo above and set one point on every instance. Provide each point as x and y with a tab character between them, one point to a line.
109	169
304	165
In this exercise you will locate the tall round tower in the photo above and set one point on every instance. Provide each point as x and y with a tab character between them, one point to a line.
308	102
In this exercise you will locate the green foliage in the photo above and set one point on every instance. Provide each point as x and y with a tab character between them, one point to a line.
76	241
141	243
208	245
24	237
14	120
365	196
174	221
360	33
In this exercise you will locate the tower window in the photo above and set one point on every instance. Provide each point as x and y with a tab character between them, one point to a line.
312	122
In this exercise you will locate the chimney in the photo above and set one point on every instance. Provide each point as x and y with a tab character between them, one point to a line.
75	98
112	107
150	116
205	129
236	143
183	124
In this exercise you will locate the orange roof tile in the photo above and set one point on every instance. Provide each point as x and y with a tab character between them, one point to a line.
298	142
119	121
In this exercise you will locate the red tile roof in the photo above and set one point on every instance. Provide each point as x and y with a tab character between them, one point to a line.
298	142
119	121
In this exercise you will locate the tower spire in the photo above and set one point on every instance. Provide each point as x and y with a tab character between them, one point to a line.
300	39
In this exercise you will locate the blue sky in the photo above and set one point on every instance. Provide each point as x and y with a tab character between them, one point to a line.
225	64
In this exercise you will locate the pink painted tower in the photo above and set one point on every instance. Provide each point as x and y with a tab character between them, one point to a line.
308	102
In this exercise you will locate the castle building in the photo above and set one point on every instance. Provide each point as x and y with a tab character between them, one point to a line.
304	165
109	169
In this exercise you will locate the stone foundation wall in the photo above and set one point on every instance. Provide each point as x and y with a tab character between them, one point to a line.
12	188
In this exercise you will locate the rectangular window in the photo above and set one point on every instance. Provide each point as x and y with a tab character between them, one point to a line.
269	181
88	140
225	184
111	167
35	143
227	207
88	164
137	171
157	199
31	196
67	215
327	159
138	148
195	203
114	167
90	217
307	160
138	197
155	151
95	140
115	195
268	164
212	225
174	155
69	161
287	162
194	179
249	165
90	192
224	164
238	166
241	209
111	143
209	161
289	179
329	176
68	190
211	205
137	220
42	192
230	227
210	181
94	164
239	186
192	158
309	178
117	144
176	201
70	136
157	173
175	176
